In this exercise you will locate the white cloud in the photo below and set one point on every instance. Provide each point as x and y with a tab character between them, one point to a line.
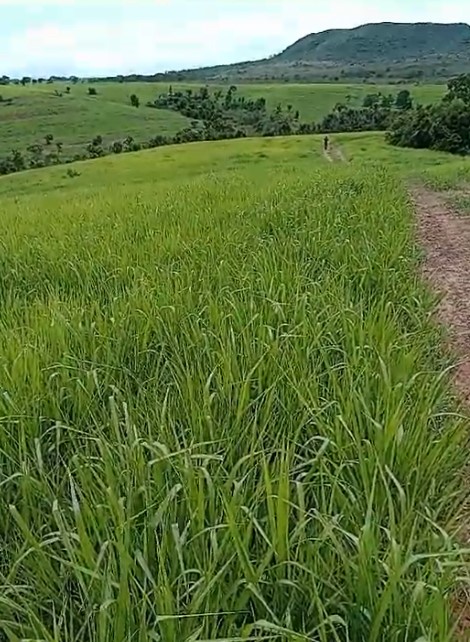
120	36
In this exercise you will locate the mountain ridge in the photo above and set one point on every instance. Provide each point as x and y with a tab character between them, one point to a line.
398	51
420	37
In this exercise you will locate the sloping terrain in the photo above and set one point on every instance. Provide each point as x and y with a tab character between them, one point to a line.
387	42
75	119
224	407
386	50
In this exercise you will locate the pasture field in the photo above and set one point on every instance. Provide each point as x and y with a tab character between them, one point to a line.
76	119
312	100
169	166
224	408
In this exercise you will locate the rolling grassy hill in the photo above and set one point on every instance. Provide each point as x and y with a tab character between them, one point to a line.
373	51
224	409
77	118
165	167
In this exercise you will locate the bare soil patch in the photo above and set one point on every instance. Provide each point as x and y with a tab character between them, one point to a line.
338	154
444	233
445	237
334	154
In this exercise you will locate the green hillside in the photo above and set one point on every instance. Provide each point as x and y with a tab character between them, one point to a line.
225	413
75	119
386	42
369	52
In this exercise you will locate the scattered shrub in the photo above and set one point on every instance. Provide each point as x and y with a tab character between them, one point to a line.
116	147
444	127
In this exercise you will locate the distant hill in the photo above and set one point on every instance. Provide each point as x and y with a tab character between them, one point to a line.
392	51
386	42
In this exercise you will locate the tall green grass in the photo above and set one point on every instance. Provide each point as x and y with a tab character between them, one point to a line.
223	416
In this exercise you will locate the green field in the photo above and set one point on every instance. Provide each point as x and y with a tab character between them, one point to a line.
312	100
77	118
224	412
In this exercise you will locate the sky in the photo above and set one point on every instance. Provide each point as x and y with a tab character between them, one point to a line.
100	37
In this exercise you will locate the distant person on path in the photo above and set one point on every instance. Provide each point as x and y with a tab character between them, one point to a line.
326	143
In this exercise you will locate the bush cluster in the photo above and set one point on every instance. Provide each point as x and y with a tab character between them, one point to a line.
444	126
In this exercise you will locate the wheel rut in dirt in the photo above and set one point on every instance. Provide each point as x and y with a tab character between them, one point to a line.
445	236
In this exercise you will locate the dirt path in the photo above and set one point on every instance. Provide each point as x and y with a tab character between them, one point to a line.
338	154
334	154
445	236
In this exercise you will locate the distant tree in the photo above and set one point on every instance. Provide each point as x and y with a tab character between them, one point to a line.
34	81
74	80
404	100
35	149
378	100
371	100
188	135
130	145
37	158
92	91
67	90
443	127
59	146
344	118
116	147
48	138
158	141
4	80
26	80
229	96
459	88
17	160
95	148
387	101
135	102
